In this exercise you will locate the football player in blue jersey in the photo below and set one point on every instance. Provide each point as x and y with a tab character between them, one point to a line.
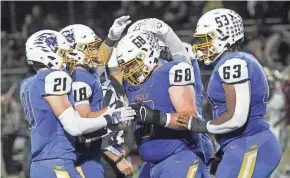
238	91
53	121
207	145
165	87
88	94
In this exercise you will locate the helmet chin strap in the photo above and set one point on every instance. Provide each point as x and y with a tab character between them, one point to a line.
208	62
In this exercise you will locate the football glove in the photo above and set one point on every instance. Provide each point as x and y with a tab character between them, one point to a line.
119	113
118	27
147	115
154	25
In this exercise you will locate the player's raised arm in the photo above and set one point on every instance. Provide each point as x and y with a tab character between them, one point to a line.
165	33
115	33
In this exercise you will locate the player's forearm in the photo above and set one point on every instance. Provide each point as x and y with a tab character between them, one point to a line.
111	155
105	51
174	124
96	113
168	120
176	47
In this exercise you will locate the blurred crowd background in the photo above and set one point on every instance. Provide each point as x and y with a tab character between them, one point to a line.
267	36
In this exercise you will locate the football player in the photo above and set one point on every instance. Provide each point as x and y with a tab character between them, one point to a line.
146	24
167	88
52	120
238	91
88	95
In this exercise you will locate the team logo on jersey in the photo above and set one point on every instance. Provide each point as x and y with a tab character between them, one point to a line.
70	37
142	96
47	42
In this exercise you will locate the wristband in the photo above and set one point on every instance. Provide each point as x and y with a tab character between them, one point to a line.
160	118
198	126
109	42
119	160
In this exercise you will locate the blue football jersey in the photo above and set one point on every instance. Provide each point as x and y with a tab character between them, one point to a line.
198	87
48	138
86	88
238	67
156	143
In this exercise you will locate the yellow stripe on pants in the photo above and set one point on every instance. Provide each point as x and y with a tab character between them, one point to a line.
248	165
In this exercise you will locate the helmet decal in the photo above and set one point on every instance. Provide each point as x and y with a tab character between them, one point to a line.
45	41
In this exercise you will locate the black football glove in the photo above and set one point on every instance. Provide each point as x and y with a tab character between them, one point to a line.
147	115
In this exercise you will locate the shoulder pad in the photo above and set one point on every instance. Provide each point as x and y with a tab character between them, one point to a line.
57	83
81	91
181	74
233	70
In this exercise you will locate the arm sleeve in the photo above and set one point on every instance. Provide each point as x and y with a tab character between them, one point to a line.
241	111
181	74
75	125
176	47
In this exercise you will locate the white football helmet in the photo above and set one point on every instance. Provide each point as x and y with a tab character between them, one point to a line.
84	39
47	47
137	55
216	31
136	26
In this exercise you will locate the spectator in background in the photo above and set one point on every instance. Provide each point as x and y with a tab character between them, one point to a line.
284	166
256	47
175	14
36	19
276	102
277	49
10	125
26	26
51	22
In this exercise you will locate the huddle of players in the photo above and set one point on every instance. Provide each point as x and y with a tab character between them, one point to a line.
164	100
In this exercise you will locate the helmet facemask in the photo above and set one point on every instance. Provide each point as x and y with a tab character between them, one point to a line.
135	70
94	56
204	47
68	63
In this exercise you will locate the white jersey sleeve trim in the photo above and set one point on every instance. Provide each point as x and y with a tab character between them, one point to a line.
81	91
181	74
57	83
233	71
241	111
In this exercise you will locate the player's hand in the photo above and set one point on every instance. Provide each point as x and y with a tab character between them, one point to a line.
118	27
183	121
143	112
117	113
147	115
125	167
195	124
155	26
190	51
